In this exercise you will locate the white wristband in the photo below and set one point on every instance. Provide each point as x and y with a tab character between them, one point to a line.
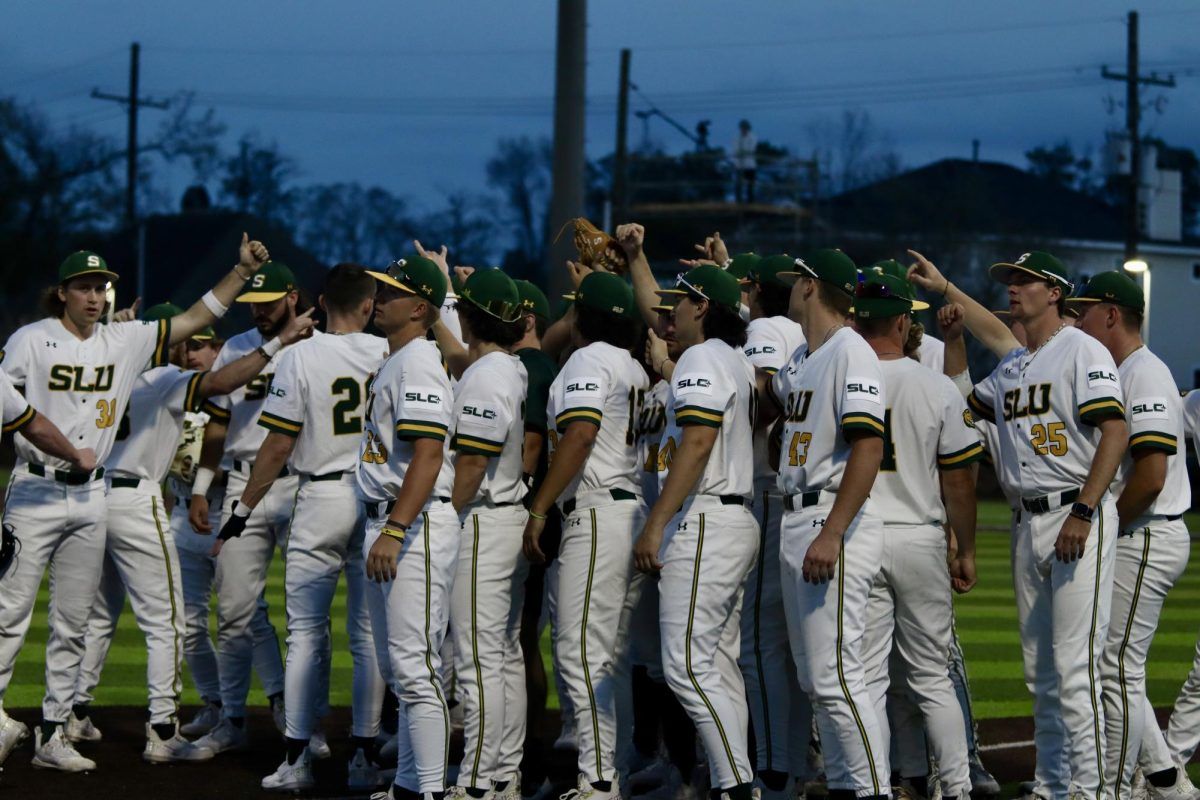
204	479
963	382
213	304
271	348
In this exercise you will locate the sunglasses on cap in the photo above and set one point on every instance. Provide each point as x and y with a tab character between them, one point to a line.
877	291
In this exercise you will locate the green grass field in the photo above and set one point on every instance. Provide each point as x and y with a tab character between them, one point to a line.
987	627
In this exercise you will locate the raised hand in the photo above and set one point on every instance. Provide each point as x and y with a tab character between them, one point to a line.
436	256
577	272
951	321
299	326
924	274
656	350
128	314
252	254
631	237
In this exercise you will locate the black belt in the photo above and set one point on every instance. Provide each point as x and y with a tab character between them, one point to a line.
795	502
126	483
1040	505
726	500
68	476
372	507
237	465
328	476
616	494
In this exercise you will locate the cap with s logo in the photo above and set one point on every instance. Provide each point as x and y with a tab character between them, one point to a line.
272	281
1040	265
83	262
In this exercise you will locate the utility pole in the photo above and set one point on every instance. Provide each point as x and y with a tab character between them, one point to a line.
1133	82
132	103
620	184
566	197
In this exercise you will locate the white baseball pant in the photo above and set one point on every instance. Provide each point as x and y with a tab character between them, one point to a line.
1063	612
826	625
595	563
326	538
198	570
909	616
1149	560
550	613
485	621
780	713
240	580
708	549
639	583
409	615
62	526
140	561
1179	744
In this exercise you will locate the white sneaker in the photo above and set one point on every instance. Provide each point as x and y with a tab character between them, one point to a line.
566	738
1032	790
983	783
318	746
177	748
291	777
362	773
205	720
279	714
1138	784
223	737
58	753
585	791
12	733
512	791
81	730
1183	788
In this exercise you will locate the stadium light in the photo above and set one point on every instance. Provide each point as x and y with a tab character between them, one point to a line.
1139	267
1136	266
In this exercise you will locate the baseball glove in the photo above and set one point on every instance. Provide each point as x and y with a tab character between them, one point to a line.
596	248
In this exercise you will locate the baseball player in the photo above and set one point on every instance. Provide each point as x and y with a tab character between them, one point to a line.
485	605
232	439
1060	417
412	540
140	560
1152	546
929	446
197	569
313	417
699	535
80	375
832	404
595	403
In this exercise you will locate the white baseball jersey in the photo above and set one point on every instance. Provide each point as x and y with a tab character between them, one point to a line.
714	385
932	352
153	421
1154	412
489	414
927	428
602	385
652	421
823	396
1191	416
14	409
1045	405
409	398
240	408
187	455
81	386
317	397
770	342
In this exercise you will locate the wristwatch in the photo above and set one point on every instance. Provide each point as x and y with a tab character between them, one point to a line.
1083	511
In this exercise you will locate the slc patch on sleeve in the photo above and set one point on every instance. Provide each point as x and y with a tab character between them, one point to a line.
695	383
1102	375
422	399
477	414
1146	408
862	390
583	387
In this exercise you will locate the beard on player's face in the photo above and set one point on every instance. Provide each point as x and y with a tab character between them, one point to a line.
269	318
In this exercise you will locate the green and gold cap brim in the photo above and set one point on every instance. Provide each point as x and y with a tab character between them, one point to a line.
272	281
84	262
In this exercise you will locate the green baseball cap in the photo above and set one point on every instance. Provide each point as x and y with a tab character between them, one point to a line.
272	281
765	271
891	266
712	283
882	295
168	310
532	299
495	293
1042	266
741	264
1112	287
605	291
415	275
831	266
83	262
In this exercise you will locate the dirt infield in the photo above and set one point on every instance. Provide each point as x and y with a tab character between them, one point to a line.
122	774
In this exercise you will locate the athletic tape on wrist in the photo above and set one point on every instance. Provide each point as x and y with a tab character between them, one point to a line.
213	304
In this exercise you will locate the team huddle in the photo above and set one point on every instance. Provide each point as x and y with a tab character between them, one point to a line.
742	504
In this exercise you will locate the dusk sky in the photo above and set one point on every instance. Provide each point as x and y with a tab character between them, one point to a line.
413	97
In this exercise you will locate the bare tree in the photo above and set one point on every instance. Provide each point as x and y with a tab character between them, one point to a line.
255	180
854	150
520	170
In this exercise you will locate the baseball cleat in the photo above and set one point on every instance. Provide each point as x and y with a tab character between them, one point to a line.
205	720
223	737
512	789
81	730
456	793
1137	786
1032	790
58	753
12	733
175	749
1182	789
291	777
585	791
361	773
318	746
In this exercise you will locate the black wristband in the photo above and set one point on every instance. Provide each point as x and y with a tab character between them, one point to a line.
233	526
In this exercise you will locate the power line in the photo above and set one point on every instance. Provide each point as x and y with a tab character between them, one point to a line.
56	71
